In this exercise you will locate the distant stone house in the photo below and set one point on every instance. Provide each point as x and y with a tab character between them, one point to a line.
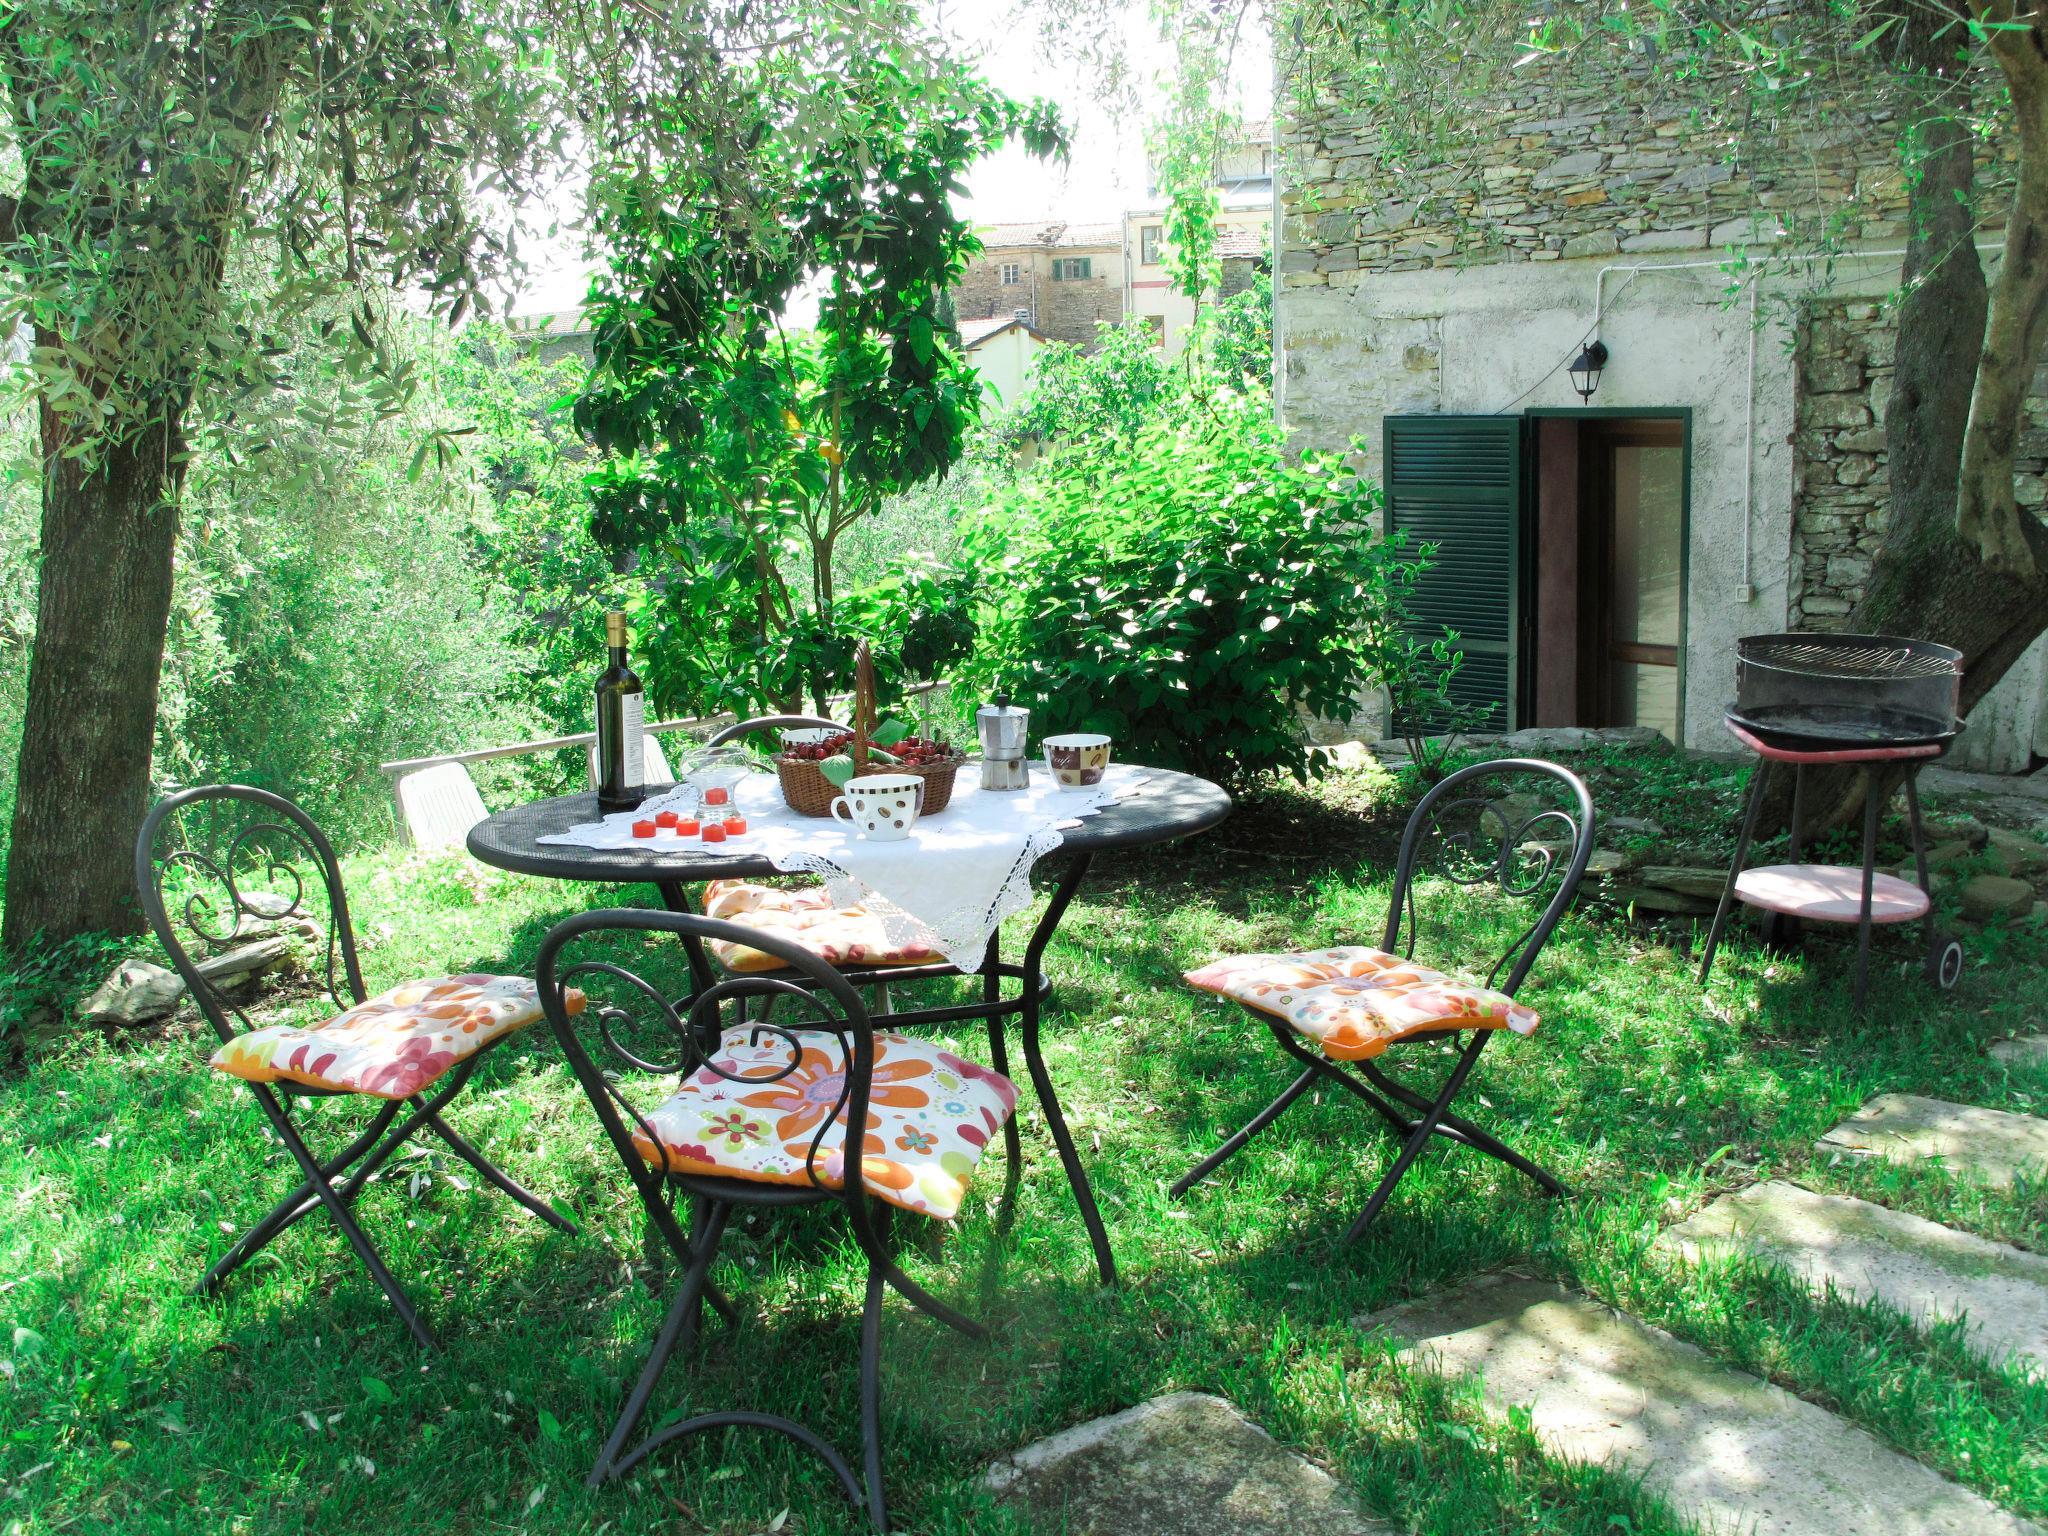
1600	557
1061	279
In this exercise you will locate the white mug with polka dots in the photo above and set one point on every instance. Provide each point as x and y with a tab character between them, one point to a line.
881	807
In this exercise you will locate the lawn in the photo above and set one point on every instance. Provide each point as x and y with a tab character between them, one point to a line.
295	1402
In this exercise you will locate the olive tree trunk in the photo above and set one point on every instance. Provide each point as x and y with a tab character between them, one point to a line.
1961	562
110	526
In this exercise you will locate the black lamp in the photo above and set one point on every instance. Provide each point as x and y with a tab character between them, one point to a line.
1585	368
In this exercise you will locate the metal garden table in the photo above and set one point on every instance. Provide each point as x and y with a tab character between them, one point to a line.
1166	806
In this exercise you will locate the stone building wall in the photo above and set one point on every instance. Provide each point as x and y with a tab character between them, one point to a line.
1838	517
1571	167
1068	310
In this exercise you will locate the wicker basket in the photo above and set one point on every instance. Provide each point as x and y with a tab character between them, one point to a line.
809	793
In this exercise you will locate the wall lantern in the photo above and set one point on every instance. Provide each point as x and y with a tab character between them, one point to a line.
1585	368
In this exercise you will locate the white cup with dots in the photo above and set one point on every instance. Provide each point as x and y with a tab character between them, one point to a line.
881	807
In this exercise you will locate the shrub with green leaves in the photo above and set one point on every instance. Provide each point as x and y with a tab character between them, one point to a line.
1191	591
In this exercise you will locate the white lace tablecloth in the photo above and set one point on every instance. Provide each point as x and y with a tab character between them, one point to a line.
949	884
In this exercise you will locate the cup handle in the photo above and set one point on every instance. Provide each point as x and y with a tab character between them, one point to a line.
920	796
841	811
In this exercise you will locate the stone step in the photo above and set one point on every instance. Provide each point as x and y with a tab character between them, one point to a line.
1183	1465
1991	1145
1729	1452
1870	1253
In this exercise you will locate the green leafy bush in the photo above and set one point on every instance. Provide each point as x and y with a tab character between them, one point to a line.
1191	592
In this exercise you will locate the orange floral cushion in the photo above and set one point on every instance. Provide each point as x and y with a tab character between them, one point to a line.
807	918
395	1044
931	1114
1354	1002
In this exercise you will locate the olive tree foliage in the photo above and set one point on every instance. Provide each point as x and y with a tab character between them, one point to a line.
190	189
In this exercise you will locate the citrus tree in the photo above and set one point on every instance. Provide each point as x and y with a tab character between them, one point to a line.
735	454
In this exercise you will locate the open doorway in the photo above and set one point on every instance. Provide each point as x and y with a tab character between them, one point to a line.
1604	636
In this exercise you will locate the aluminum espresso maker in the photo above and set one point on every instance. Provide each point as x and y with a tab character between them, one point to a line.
1003	730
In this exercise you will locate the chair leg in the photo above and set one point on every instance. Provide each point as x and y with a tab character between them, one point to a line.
871	1397
999	1059
338	1209
498	1178
299	1203
1234	1143
1425	1128
676	1329
1460	1129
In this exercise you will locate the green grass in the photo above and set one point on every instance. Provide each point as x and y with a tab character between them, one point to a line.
295	1402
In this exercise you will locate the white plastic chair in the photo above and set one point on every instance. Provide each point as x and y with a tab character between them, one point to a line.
654	768
439	805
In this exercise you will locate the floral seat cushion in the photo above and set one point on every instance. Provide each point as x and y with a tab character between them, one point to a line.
395	1044
1354	1001
808	919
930	1117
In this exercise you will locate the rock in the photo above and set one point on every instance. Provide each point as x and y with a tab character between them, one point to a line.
1726	1451
268	904
1942	855
1971	832
1632	826
1987	1144
137	992
1183	1465
1654	898
2020	854
235	966
1927	1271
1986	897
1685	880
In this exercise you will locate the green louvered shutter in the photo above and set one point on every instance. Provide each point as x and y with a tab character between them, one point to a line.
1456	482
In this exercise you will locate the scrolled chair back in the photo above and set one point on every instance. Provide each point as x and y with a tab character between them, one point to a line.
634	1021
741	729
224	865
1518	824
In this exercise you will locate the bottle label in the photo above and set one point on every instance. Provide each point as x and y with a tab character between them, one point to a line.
633	707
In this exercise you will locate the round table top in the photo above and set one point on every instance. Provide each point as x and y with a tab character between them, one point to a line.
1165	806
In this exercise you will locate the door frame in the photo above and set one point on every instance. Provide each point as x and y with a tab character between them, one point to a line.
1682	414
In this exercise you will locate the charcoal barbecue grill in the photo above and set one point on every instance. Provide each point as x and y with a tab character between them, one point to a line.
1880	702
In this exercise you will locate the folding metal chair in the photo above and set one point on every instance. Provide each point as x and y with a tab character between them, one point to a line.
760	1119
411	1049
1335	1011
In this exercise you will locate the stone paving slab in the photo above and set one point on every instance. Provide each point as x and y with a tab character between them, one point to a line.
1992	1145
2026	1051
1723	1449
1183	1465
1868	1252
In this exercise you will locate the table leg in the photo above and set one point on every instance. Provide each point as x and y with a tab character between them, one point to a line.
677	899
1041	1081
999	1059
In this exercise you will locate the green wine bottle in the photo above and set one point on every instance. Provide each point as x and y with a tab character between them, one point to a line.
621	726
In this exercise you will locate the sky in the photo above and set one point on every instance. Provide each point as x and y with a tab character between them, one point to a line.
1105	171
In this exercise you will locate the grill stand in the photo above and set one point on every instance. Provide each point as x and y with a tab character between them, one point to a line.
1802	892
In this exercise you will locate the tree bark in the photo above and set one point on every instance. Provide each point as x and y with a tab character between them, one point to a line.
1961	562
109	534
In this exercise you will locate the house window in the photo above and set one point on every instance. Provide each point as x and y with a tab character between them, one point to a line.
1148	245
1011	274
1072	269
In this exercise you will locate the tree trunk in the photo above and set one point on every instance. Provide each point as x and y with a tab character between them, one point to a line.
104	598
1958	562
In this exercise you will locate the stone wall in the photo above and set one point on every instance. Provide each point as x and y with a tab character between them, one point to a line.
1066	311
1572	167
1844	382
